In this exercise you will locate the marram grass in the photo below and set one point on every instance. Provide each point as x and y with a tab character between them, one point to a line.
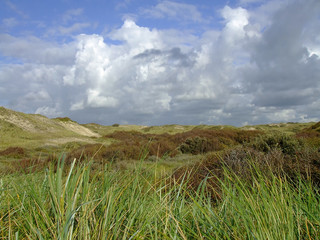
74	203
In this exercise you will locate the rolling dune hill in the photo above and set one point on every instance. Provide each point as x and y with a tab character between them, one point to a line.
33	136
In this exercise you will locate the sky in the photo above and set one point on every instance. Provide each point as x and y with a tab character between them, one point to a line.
156	62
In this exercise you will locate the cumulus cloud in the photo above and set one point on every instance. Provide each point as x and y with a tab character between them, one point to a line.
247	72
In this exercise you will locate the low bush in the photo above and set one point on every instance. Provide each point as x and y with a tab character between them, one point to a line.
285	143
15	152
245	161
88	151
64	119
120	151
196	141
28	165
200	145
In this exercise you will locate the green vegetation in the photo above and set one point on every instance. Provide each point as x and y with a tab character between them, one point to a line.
161	182
285	143
64	119
75	203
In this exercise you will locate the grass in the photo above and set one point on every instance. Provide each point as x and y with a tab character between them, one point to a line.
142	203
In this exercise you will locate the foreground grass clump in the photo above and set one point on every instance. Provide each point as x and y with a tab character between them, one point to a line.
74	203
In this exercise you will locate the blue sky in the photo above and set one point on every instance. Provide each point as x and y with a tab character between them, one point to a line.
161	62
45	18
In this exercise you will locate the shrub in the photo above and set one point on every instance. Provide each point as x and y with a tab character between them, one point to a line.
266	143
244	162
87	152
120	151
29	165
195	141
200	145
15	152
115	125
64	119
162	147
132	142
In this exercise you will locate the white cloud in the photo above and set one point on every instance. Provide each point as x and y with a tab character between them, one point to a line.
9	22
76	27
39	96
235	22
34	50
69	24
176	11
16	9
276	115
245	2
96	100
77	106
48	111
72	14
137	38
122	4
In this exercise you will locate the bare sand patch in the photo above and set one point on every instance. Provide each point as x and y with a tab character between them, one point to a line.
76	128
22	123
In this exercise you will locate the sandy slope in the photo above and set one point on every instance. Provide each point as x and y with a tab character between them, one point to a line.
35	123
76	128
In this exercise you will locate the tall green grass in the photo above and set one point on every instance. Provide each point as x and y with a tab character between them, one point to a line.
72	202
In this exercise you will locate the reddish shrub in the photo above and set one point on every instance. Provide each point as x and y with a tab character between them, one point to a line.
193	176
28	165
120	151
242	162
88	151
195	141
16	152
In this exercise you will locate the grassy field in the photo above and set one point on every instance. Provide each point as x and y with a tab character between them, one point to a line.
75	203
63	180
